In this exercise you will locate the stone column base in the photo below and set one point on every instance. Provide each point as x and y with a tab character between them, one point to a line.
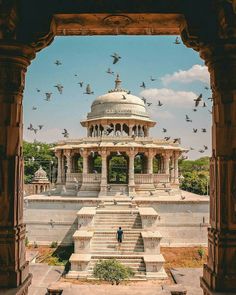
21	290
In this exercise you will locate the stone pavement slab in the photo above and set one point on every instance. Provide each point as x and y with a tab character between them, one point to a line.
190	278
43	276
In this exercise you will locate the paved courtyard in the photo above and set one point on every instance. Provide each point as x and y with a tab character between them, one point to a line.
44	275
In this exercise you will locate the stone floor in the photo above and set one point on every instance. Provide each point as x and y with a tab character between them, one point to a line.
44	275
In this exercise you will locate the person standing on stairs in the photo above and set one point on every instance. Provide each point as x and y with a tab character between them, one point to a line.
119	236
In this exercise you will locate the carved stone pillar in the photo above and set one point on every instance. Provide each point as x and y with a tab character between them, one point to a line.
167	163
176	168
130	129
103	186
172	170
14	272
85	163
150	163
131	171
58	155
68	161
220	271
63	172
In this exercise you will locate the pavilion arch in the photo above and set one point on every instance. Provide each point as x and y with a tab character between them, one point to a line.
118	166
77	163
140	163
94	162
158	163
28	29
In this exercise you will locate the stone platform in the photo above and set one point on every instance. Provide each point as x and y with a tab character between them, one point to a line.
182	221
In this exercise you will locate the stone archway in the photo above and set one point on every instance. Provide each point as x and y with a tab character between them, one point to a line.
206	26
117	168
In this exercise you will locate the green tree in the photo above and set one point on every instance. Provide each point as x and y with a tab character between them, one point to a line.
196	175
35	155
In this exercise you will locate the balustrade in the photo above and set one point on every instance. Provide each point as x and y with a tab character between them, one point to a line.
92	178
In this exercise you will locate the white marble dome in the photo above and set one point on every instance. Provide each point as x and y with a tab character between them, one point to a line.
118	103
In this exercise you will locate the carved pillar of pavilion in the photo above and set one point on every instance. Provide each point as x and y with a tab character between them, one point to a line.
220	271
69	166
176	168
172	170
150	156
14	271
131	155
103	185
85	163
58	155
167	164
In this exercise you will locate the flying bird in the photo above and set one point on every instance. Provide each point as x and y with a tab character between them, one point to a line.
187	119
210	111
116	58
48	96
59	88
38	90
164	130
177	41
109	71
194	130
204	130
210	98
144	100
167	138
149	104
65	133
34	108
194	110
152	79
143	85
124	97
204	105
205	147
58	63
35	130
30	127
197	100
206	87
201	151
88	90
177	140
40	127
81	84
159	103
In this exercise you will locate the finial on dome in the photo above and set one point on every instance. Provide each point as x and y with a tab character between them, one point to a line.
117	82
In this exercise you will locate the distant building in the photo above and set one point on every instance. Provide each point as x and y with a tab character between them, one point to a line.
118	154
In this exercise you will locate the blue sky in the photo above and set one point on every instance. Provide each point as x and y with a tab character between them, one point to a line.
180	73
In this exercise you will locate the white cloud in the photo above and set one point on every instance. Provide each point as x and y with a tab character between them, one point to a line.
160	114
169	97
195	73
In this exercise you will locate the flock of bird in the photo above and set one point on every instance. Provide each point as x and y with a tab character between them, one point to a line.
198	101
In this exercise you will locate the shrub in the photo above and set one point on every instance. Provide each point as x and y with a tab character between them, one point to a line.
201	252
112	271
54	244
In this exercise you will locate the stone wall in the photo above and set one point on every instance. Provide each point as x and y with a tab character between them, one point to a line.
179	223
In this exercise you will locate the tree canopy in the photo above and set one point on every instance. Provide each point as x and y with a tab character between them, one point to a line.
35	155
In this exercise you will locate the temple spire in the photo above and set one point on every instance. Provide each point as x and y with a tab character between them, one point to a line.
118	82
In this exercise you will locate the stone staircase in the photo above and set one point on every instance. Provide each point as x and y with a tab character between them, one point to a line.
96	240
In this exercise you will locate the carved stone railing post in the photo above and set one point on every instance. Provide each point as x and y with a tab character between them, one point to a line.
14	273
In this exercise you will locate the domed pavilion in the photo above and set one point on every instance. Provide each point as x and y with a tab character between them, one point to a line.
117	156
